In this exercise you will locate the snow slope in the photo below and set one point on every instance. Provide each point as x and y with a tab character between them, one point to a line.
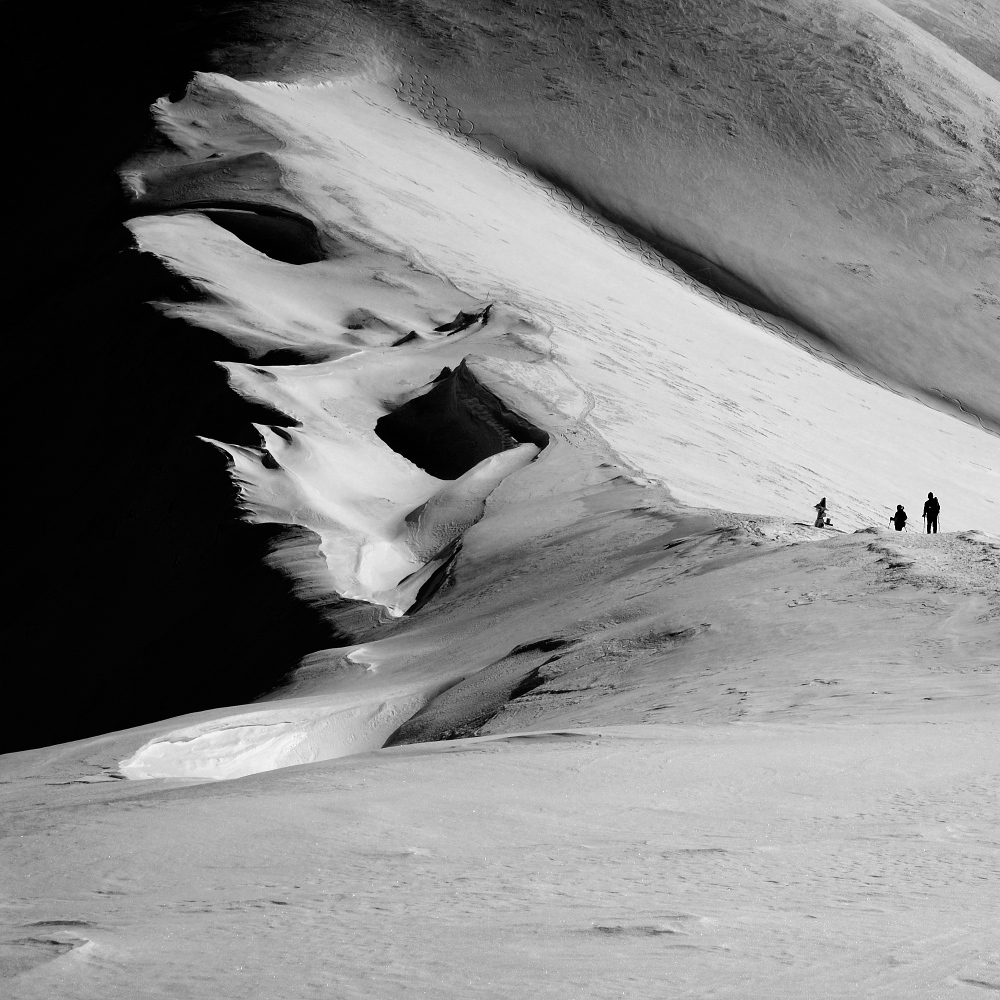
682	390
837	159
694	743
773	774
628	367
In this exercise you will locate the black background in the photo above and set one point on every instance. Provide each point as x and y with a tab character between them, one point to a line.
138	592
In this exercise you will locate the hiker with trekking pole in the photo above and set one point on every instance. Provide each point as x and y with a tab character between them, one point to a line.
899	518
932	508
821	519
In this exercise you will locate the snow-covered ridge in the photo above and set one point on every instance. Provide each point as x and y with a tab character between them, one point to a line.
402	272
420	228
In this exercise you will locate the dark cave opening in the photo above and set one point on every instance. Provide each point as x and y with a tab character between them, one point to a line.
277	233
285	236
160	600
141	591
455	425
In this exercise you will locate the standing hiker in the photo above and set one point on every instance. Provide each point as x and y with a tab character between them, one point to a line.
899	518
931	510
820	513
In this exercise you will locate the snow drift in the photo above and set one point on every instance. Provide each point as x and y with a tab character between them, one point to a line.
449	340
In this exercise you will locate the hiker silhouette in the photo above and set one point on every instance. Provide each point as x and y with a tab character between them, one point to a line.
931	510
820	513
899	518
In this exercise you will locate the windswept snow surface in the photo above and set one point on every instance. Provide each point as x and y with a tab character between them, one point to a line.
750	769
684	391
757	861
627	365
837	159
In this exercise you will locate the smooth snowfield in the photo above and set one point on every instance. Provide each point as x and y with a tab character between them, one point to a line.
780	861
